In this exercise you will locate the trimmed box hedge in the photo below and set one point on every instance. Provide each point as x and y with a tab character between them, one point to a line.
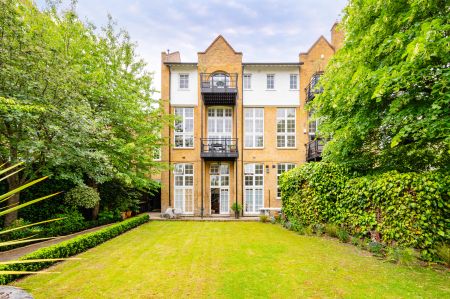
71	247
408	209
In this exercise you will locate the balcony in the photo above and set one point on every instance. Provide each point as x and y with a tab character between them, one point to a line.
314	150
219	148
312	89
219	88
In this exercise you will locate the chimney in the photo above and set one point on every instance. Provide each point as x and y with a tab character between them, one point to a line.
337	36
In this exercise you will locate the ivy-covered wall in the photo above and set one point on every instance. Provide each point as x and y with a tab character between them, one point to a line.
407	209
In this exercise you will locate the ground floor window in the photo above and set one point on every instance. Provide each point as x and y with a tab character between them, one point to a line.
281	168
253	187
184	188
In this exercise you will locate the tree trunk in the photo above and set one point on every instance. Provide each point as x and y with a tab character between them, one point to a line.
93	184
13	183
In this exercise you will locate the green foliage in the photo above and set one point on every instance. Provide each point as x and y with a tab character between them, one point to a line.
82	196
376	248
70	247
75	102
343	235
107	216
331	230
263	218
443	252
73	222
402	256
117	195
409	209
385	101
309	192
236	207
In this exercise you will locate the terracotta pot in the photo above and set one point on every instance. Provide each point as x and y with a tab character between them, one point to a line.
129	214
123	215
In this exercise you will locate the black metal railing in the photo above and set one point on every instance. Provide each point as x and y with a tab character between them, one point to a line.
218	82
219	148
314	150
312	89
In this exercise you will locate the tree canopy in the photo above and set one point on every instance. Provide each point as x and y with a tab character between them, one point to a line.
75	101
386	99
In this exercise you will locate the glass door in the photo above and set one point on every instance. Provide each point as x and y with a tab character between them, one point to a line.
220	128
220	188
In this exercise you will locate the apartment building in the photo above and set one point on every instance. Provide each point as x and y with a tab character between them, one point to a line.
239	125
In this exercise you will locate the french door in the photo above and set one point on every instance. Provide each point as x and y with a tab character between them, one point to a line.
220	124
184	188
220	188
253	188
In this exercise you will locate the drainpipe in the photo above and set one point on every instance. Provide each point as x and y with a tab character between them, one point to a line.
201	162
170	138
242	141
237	147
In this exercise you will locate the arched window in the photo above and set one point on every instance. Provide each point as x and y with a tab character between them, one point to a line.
220	80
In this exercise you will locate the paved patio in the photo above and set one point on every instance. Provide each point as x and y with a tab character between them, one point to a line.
157	216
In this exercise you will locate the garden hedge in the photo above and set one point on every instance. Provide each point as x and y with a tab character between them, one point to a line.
405	209
71	247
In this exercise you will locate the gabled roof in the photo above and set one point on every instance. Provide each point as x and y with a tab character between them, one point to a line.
317	41
215	41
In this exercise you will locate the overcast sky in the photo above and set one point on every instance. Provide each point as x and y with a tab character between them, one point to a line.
264	30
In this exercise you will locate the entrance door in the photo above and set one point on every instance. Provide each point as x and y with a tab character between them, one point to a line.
220	188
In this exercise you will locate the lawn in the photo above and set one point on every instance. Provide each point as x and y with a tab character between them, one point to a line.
231	260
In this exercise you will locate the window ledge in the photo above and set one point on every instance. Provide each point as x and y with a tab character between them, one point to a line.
287	148
271	90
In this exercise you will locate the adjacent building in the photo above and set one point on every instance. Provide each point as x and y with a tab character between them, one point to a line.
239	125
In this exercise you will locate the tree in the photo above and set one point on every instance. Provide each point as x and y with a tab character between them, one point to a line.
386	101
73	104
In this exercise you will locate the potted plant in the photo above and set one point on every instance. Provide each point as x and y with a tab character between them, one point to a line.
237	208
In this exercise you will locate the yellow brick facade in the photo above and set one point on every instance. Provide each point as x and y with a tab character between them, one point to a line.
220	56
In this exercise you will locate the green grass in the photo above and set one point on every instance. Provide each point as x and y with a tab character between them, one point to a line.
231	260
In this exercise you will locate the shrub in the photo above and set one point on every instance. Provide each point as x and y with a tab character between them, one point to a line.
116	194
443	252
402	256
309	192
264	218
376	248
308	230
319	229
107	216
343	235
70	247
82	196
73	222
408	209
331	230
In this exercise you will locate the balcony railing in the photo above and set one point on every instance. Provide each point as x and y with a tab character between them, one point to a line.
314	150
219	148
312	89
219	88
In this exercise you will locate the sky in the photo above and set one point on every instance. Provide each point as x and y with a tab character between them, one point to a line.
264	30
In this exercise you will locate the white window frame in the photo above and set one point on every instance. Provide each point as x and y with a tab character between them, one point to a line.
223	171
282	168
157	154
253	188
293	83
185	176
270	83
284	133
185	80
312	126
247	81
250	131
185	134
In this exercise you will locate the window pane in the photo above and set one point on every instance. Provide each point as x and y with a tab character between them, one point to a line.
188	169
189	141
248	141
189	201
280	141
178	140
259	169
189	181
281	126
290	141
178	180
259	141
